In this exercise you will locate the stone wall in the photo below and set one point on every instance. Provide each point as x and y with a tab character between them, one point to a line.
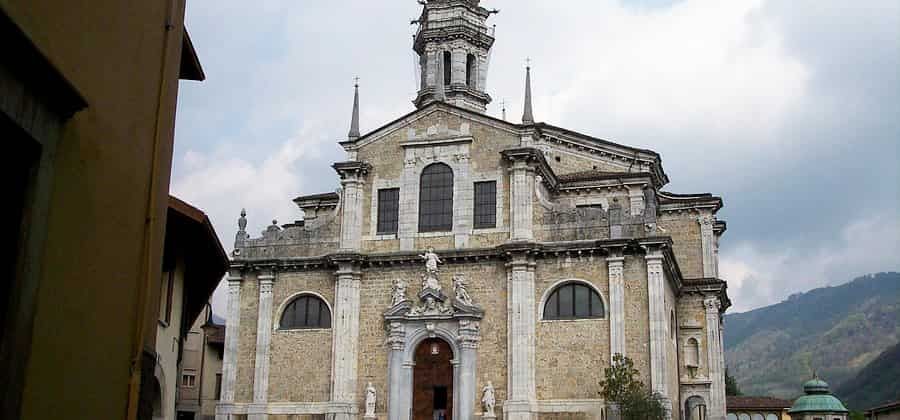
637	321
685	232
571	355
246	357
300	360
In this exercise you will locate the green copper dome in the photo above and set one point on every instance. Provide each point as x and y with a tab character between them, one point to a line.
818	398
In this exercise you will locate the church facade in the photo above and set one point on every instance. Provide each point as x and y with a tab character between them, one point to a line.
470	267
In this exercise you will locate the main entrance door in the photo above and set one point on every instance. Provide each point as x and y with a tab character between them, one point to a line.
433	381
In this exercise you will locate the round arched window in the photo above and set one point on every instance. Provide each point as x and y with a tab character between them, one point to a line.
436	199
573	301
305	311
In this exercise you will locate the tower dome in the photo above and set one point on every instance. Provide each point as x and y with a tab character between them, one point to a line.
818	400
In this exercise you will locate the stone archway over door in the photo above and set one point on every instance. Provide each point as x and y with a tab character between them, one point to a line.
433	381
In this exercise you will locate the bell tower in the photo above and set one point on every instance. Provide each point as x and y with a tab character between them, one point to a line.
453	43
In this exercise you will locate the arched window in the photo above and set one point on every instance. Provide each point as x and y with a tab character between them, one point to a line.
470	70
447	68
692	353
573	301
695	408
306	311
436	198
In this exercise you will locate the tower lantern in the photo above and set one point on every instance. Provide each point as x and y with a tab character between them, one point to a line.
453	43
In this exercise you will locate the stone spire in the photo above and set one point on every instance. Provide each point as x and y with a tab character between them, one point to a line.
354	120
528	115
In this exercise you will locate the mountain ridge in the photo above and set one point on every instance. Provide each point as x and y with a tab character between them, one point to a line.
834	330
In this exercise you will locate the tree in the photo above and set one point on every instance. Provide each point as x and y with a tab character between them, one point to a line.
622	388
731	386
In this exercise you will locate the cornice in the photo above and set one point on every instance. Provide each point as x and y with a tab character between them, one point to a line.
536	157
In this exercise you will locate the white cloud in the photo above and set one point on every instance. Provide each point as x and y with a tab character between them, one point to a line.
758	277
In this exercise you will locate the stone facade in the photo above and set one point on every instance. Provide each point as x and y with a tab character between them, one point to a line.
571	212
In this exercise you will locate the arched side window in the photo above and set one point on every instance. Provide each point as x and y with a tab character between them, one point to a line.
692	353
305	312
695	408
573	300
448	63
436	198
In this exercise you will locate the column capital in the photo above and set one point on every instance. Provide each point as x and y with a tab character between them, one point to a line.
712	304
351	170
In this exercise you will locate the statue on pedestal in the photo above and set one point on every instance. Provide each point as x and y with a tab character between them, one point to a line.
370	402
488	401
398	295
430	279
459	287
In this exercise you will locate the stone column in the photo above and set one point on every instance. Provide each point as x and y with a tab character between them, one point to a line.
345	343
522	184
658	320
232	331
716	409
521	341
707	244
397	373
468	359
352	175
615	268
458	58
263	341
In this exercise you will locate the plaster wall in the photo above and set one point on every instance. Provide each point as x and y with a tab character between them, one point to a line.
107	207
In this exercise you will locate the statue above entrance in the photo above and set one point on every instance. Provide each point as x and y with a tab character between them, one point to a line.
430	279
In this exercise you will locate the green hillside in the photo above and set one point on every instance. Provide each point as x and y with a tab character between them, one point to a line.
834	330
875	384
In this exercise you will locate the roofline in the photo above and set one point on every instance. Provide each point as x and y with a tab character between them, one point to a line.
885	406
190	63
198	216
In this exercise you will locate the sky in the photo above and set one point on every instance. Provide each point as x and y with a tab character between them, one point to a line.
789	110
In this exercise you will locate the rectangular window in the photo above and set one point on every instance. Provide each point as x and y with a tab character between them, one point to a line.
218	386
388	210
188	379
167	286
485	204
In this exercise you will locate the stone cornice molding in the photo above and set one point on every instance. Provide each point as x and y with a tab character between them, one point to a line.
709	287
680	203
534	158
352	170
607	182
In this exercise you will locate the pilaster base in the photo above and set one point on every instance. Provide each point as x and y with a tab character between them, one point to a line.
519	410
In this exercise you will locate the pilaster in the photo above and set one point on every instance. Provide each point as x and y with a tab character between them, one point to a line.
353	176
636	200
232	331
658	321
521	345
263	342
715	359
468	343
707	244
345	342
615	268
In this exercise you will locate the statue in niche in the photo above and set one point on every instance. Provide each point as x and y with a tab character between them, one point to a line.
488	401
459	287
430	280
398	295
370	401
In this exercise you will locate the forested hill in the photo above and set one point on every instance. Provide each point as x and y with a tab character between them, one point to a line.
876	384
834	330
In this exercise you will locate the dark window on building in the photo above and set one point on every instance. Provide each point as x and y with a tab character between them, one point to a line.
305	312
218	386
573	301
447	68
470	70
167	288
485	204
436	199
388	210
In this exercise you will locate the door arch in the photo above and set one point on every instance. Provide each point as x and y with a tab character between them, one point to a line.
433	380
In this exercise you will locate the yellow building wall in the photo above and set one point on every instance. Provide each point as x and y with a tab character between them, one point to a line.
108	203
